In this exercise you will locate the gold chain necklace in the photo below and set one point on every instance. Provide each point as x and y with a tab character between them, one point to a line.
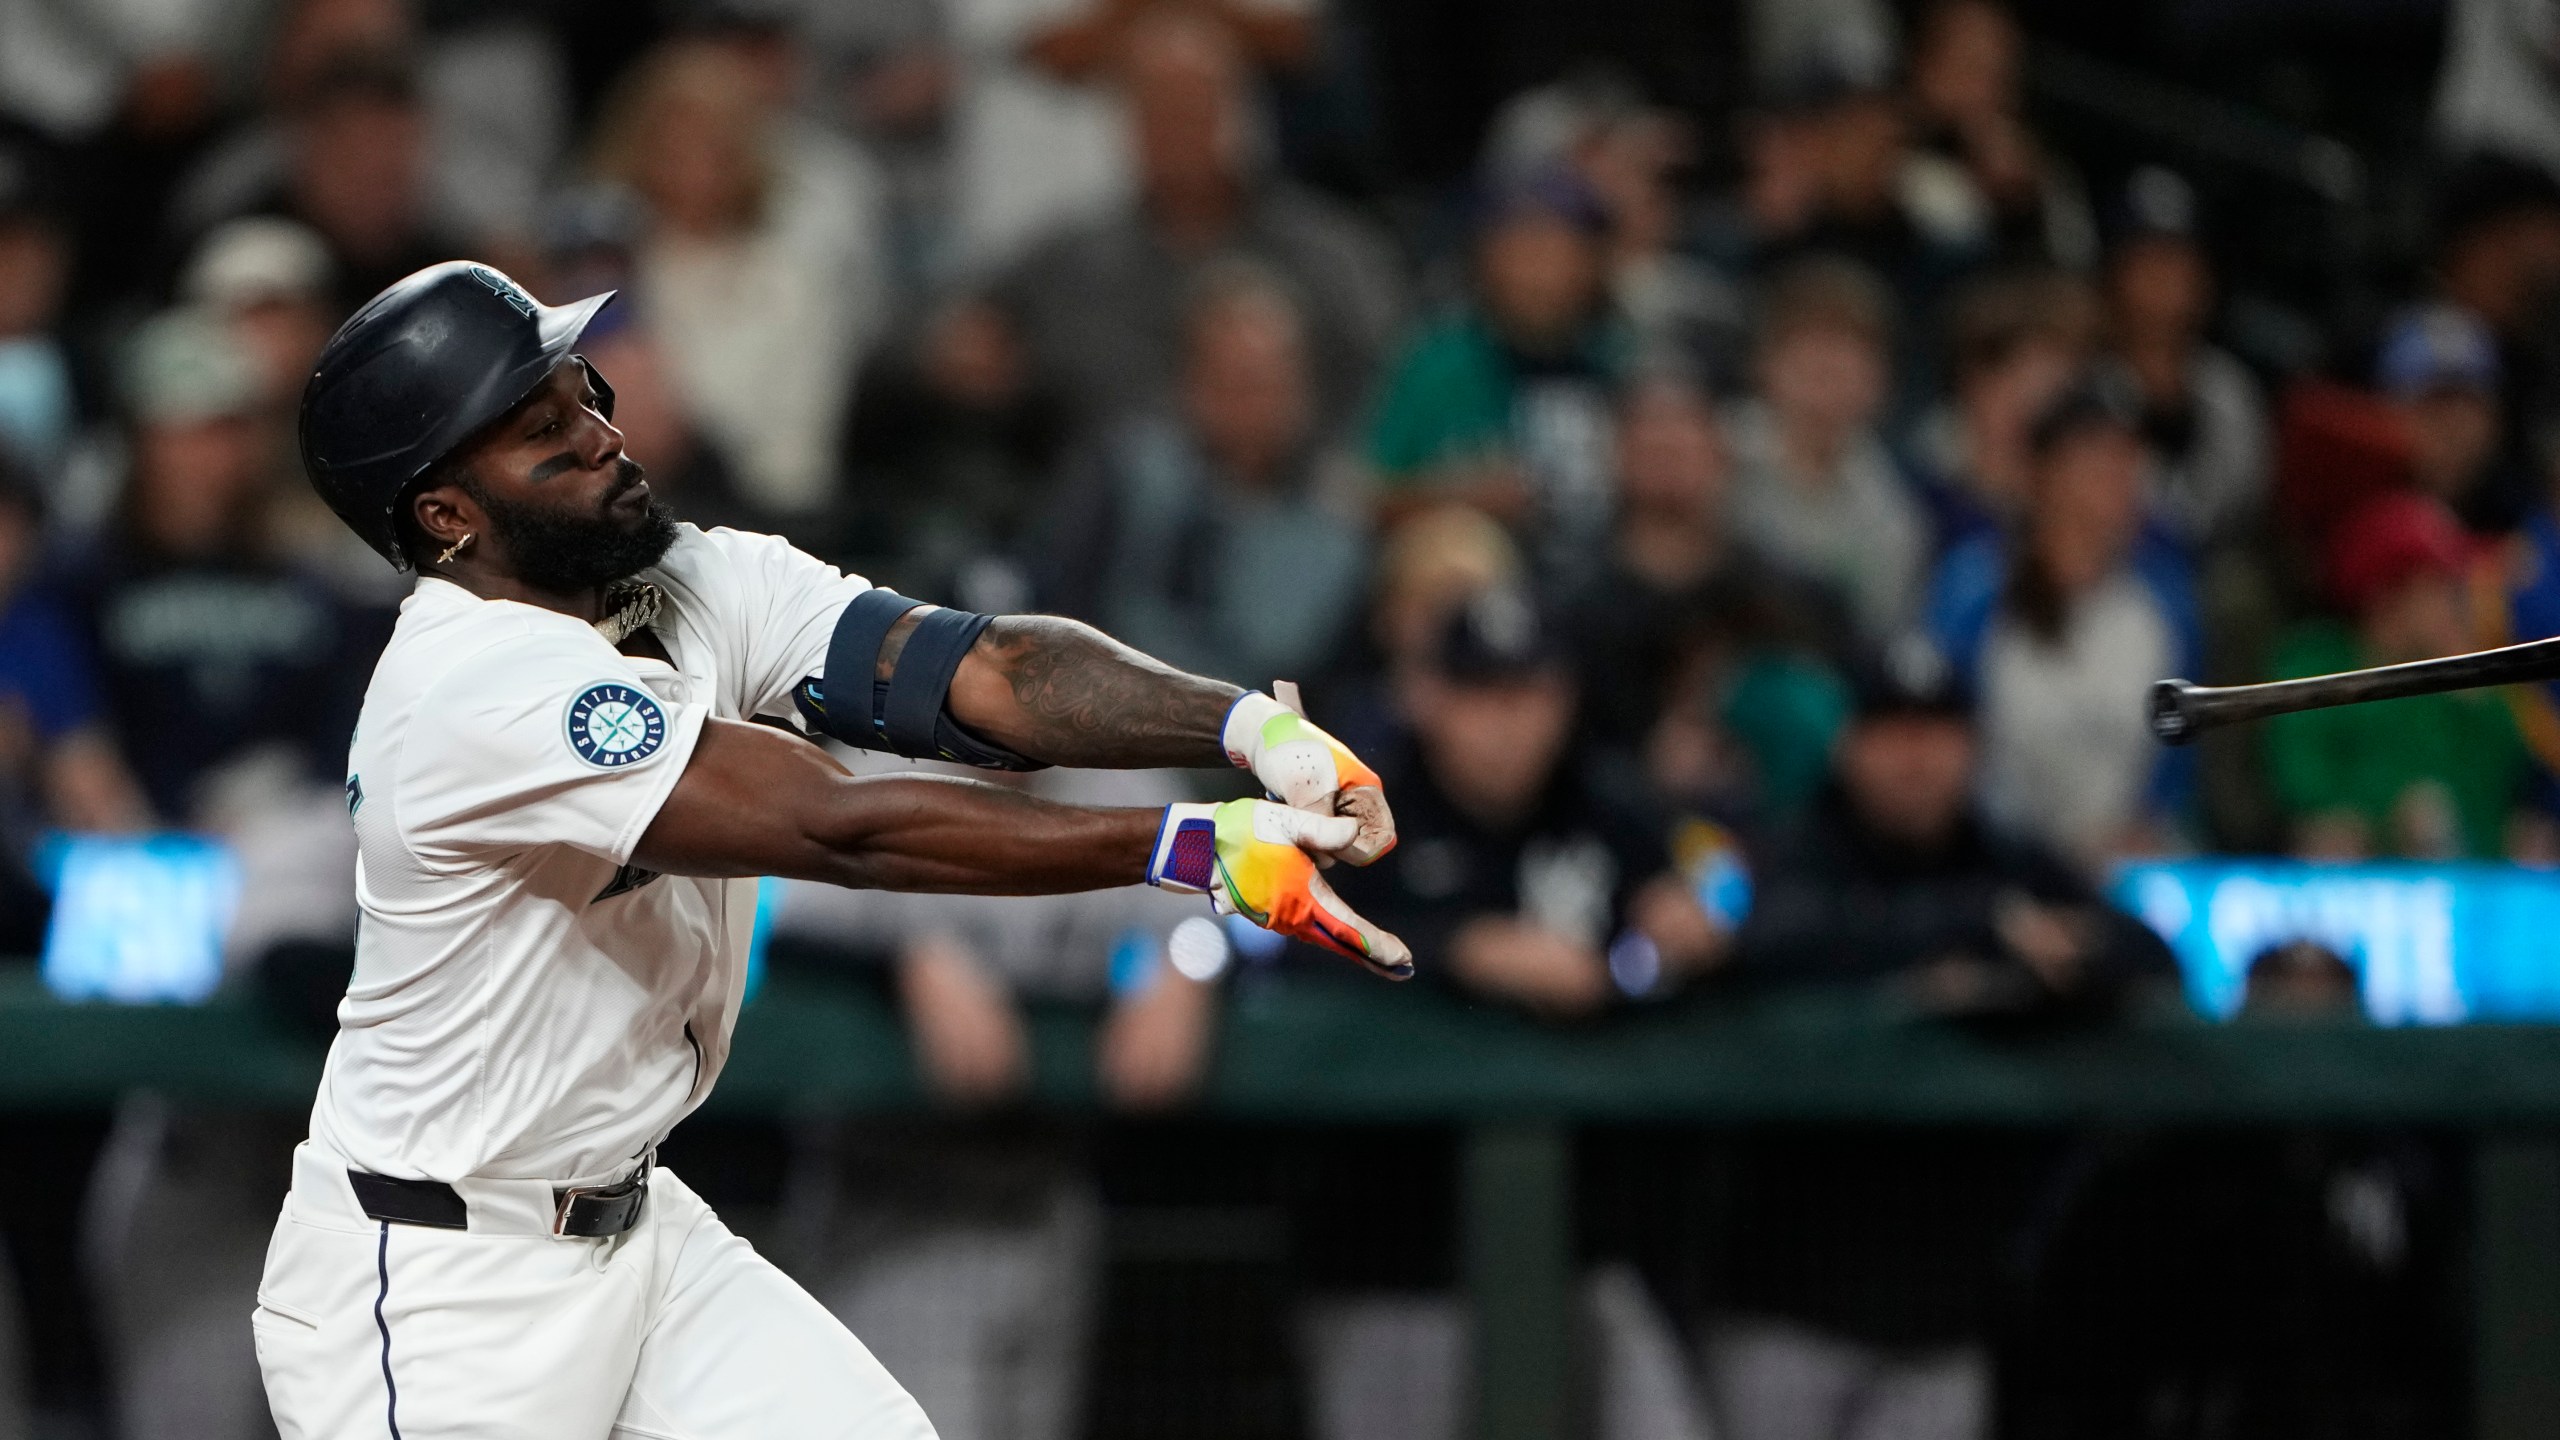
630	606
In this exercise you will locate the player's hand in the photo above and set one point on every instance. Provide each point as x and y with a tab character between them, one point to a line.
1257	859
1303	767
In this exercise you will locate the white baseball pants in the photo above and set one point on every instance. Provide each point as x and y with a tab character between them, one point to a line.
673	1330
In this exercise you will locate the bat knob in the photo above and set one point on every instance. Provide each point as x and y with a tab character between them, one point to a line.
2174	712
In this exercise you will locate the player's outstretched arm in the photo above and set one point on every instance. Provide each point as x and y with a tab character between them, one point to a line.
1016	692
1060	691
1064	693
754	801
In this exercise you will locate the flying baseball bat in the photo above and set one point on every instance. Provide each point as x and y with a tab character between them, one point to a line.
2181	711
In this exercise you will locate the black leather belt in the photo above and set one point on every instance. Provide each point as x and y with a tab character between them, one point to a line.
587	1212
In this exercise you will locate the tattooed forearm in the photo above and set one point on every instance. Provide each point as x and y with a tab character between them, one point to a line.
1064	692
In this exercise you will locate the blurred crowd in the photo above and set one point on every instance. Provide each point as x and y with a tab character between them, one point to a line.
1743	540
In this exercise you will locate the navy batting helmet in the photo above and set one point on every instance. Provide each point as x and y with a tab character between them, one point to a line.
420	369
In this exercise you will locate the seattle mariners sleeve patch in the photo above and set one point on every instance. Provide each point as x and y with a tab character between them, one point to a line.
613	725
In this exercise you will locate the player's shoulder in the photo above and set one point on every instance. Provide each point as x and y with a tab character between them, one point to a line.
721	555
721	567
449	639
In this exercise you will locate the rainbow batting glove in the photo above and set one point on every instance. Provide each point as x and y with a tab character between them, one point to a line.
1257	859
1301	766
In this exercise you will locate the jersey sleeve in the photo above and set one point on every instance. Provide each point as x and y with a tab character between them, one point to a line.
539	740
786	603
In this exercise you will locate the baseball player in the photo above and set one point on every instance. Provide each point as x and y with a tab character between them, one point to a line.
588	732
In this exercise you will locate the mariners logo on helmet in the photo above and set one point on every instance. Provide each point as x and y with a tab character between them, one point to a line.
612	725
505	289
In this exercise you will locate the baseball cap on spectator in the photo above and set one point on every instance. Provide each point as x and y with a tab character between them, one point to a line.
254	260
1541	127
184	365
2390	540
2436	347
2100	400
1500	636
1908	676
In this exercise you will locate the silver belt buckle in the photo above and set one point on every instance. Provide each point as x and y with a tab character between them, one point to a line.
569	1195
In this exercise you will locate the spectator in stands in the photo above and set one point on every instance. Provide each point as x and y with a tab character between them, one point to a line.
493	95
170	112
1838	153
1673	300
2202	413
58	767
753	272
953	447
1814	486
1631	155
355	172
1693	651
1859	1285
1966	911
1521	868
2014	345
2300	978
269	278
2498	257
1428	566
38	414
2432	777
1503	403
2061	631
1973	155
1037	130
2439	368
1228	538
1772	198
819	171
219	661
1102	300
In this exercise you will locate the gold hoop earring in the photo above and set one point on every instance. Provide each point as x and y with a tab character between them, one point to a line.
454	549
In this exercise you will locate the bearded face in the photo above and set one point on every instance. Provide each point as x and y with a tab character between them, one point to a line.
568	548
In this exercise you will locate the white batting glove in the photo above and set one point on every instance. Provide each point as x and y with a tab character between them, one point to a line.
1303	767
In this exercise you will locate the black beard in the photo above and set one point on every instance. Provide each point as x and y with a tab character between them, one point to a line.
565	554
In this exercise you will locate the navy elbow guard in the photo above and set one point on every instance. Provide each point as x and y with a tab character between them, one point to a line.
905	714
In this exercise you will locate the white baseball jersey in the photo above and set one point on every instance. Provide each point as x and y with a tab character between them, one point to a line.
526	1003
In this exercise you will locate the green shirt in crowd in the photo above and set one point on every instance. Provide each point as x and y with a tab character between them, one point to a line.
1449	399
2362	759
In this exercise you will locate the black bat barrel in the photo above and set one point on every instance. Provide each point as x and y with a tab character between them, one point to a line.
2180	711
